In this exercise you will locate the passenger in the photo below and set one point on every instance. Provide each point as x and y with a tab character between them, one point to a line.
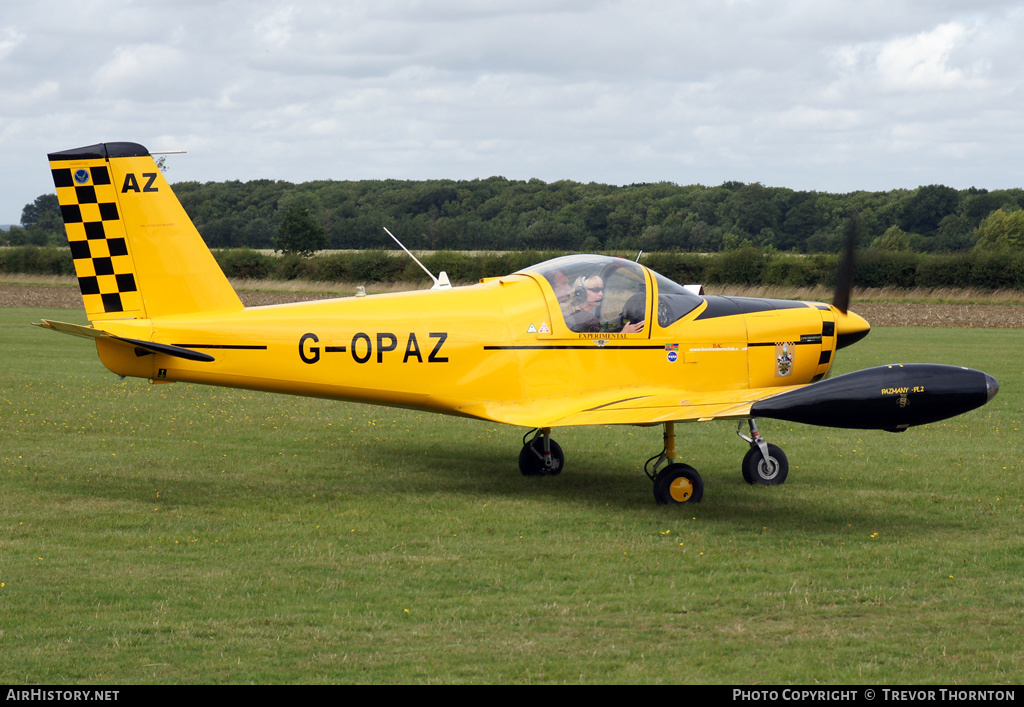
587	295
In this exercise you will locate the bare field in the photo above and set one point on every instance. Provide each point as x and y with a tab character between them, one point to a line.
879	308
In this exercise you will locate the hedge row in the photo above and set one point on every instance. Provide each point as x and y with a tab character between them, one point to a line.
749	266
36	260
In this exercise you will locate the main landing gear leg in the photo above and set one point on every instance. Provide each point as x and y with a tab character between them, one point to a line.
764	464
675	483
541	455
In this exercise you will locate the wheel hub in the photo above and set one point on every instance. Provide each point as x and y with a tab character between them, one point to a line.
768	471
680	490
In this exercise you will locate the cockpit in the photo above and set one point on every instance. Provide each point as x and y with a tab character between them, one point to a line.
601	294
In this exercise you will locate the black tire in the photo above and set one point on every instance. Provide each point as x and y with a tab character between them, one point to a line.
677	484
531	458
756	472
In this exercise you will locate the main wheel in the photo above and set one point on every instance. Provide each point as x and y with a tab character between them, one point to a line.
531	458
756	471
678	483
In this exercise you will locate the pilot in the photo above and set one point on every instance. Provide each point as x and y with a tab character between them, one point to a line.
560	284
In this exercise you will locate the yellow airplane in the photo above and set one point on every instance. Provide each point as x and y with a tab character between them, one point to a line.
578	340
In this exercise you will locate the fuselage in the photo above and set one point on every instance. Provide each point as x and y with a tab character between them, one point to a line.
503	340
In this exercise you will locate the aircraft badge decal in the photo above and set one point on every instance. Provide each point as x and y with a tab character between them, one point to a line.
783	359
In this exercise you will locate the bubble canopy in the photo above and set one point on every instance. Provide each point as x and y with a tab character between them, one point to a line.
598	293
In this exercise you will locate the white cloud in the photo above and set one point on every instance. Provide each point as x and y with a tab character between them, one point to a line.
276	29
142	67
922	62
9	39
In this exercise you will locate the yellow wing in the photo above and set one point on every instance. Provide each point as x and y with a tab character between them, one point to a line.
628	405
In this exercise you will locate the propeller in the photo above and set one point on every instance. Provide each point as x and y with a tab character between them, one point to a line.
844	276
850	328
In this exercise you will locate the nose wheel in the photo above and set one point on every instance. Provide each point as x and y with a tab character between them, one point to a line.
541	455
764	464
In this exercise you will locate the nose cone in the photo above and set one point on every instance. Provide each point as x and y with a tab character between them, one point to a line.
991	386
850	328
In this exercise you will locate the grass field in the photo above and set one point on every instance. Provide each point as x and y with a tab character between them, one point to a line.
181	534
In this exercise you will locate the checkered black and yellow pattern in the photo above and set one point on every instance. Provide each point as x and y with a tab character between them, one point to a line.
96	234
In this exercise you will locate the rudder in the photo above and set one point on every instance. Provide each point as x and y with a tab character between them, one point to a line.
136	252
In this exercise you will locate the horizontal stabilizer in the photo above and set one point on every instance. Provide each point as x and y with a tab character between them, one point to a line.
147	346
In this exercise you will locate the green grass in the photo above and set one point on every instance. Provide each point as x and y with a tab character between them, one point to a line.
182	534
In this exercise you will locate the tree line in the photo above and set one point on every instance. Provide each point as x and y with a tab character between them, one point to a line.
499	214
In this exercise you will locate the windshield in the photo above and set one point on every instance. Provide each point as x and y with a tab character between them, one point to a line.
598	293
674	300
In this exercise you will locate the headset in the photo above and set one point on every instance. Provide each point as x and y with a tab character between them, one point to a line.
578	295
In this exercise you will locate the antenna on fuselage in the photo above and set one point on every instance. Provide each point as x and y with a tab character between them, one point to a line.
638	257
440	283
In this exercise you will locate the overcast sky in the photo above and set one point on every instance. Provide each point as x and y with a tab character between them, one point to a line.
808	94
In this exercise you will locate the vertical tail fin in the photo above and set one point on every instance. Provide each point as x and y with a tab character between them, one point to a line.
136	252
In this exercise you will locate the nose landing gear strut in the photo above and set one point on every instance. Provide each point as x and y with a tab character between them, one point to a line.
764	464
